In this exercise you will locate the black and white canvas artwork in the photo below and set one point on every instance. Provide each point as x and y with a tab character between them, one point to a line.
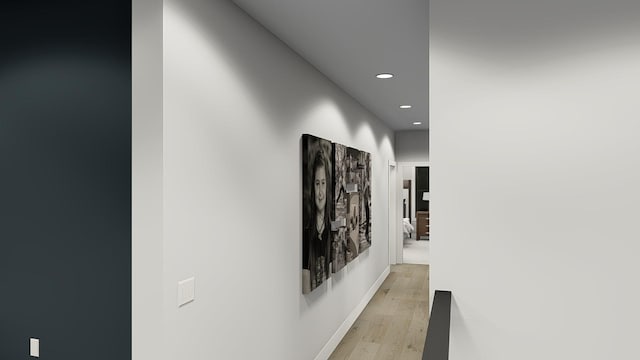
336	208
353	221
354	187
364	164
317	205
340	252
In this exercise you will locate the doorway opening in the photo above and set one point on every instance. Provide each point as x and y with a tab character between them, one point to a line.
413	213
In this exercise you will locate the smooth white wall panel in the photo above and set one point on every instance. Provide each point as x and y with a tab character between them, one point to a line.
146	181
534	176
236	102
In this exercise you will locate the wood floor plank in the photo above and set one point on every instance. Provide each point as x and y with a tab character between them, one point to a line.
351	340
378	329
365	351
393	325
414	341
388	352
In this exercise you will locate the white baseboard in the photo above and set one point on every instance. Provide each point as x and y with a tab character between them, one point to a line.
332	344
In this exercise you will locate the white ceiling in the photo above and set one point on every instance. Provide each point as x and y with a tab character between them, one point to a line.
351	41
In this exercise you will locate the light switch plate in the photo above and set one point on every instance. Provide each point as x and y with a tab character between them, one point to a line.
186	291
34	347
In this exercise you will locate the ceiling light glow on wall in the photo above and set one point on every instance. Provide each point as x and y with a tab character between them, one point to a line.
384	76
417	123
405	106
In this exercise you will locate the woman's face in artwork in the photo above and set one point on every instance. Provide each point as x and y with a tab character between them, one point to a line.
320	186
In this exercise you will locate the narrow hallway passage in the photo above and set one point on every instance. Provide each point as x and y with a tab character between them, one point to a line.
393	325
415	252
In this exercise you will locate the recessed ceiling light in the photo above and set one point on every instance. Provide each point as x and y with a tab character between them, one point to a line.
405	106
417	123
384	76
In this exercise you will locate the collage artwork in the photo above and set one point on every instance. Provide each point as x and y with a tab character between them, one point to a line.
336	200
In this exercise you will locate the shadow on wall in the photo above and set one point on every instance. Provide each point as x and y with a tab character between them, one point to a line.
461	329
268	75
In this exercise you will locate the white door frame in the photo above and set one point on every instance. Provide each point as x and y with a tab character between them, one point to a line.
393	224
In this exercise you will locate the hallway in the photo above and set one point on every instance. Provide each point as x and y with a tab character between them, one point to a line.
394	323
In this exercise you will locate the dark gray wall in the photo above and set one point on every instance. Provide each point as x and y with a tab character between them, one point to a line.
412	146
65	193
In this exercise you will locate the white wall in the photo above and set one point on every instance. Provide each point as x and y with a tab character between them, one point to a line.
534	157
412	146
236	102
146	182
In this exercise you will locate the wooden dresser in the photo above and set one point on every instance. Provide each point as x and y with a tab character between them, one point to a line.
422	224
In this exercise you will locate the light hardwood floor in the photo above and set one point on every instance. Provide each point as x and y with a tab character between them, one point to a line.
394	323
